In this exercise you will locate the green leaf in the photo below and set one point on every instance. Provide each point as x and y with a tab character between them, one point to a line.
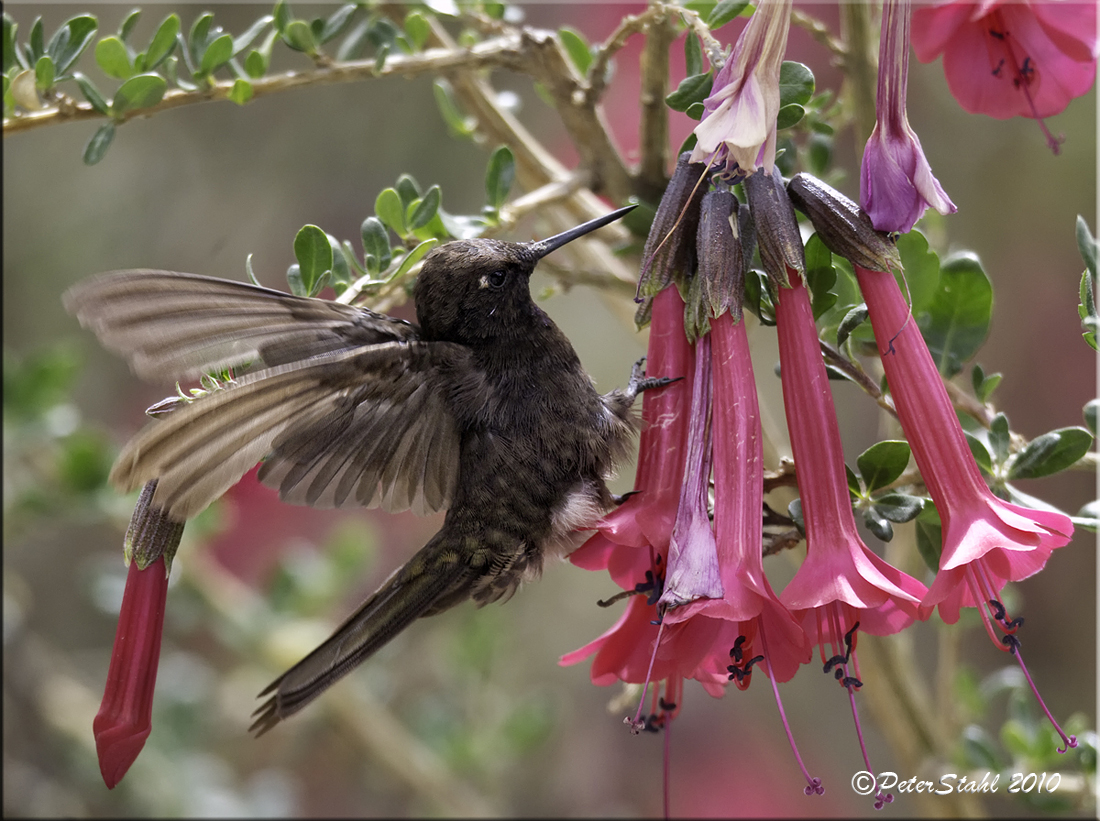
217	54
1090	414
984	385
852	320
696	112
172	74
112	57
391	211
820	275
882	463
577	48
198	39
35	41
999	438
66	49
879	527
789	115
337	22
294	280
314	254
44	73
796	84
413	257
1086	244
163	42
422	212
922	270
408	189
457	124
249	36
255	65
248	270
10	52
980	453
1050	453
91	93
141	91
99	143
692	89
854	486
341	274
282	15
957	321
499	177
376	245
299	36
418	28
725	11
128	24
693	54
929	535
898	507
241	92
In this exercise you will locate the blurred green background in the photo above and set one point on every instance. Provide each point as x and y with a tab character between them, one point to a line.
467	713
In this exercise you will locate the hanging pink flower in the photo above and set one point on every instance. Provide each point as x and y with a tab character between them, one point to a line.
1011	59
895	180
124	719
738	129
987	542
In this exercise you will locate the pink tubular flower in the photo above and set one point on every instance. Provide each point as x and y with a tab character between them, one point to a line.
124	719
895	180
841	587
738	129
761	630
1018	59
987	542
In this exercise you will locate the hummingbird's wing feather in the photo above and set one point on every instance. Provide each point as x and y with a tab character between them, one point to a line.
362	426
172	326
433	580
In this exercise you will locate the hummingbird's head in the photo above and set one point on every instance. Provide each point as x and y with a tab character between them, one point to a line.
474	290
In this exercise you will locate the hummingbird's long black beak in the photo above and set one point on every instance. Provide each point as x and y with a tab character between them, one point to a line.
545	246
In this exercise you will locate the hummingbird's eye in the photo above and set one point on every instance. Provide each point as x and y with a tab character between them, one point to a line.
496	279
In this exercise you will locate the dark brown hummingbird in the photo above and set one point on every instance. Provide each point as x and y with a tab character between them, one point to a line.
482	409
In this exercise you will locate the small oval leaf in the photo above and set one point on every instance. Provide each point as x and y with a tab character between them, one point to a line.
391	211
1050	453
499	176
141	91
112	57
99	143
426	209
314	254
882	463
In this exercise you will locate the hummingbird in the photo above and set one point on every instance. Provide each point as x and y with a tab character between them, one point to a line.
481	408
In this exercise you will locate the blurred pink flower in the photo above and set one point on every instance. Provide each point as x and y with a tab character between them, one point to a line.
738	129
895	181
987	542
1011	59
124	719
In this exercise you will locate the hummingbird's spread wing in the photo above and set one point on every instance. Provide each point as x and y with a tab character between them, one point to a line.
349	406
172	326
361	427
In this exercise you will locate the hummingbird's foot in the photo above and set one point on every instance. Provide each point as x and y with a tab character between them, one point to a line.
619	499
640	382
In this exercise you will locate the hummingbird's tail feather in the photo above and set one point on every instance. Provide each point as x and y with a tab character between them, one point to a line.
433	580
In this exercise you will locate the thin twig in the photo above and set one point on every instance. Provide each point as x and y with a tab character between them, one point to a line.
820	32
500	51
653	168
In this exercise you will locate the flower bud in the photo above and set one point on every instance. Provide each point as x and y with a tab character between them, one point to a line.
777	231
842	225
151	533
721	259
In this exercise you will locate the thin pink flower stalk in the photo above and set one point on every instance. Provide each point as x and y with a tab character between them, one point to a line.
841	587
124	719
987	542
896	184
1011	59
738	129
749	607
